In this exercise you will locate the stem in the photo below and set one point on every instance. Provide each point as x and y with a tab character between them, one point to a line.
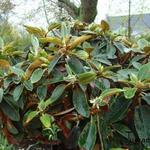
129	20
99	132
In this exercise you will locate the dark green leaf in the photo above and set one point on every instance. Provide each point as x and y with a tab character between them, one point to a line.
75	65
58	91
53	63
80	102
42	92
111	50
142	124
124	131
11	128
117	110
87	138
10	111
17	92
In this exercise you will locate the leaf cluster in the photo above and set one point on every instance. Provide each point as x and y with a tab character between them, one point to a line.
80	83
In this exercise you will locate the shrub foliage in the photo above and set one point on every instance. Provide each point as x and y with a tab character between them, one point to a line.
78	85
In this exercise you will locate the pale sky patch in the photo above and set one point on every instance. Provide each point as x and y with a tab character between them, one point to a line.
105	8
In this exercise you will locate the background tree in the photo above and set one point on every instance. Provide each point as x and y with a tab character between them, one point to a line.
6	6
86	11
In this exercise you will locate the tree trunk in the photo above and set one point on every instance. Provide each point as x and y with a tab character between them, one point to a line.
86	12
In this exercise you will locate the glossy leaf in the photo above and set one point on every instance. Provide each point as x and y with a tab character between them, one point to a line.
87	138
110	92
117	110
121	47
129	92
37	75
42	92
53	63
141	121
75	65
58	91
17	92
144	72
87	77
10	111
80	102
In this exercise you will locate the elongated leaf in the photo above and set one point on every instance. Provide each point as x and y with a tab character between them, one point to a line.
17	92
142	124
79	40
64	30
35	44
75	65
53	63
53	40
124	131
11	128
111	50
35	31
30	116
46	120
1	94
37	75
117	110
110	92
58	91
80	102
121	47
129	92
42	92
87	77
144	72
10	111
87	138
